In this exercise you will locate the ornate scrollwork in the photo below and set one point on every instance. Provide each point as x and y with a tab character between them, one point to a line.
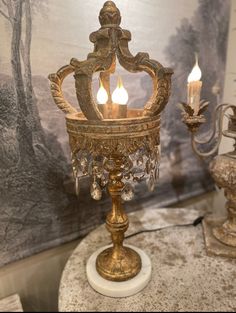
115	153
94	143
111	41
140	157
56	90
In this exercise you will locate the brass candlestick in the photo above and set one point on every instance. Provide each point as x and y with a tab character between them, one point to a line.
220	233
115	152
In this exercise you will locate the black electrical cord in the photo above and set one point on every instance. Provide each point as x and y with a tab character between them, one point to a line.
197	221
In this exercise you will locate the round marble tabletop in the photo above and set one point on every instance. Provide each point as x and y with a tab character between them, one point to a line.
184	278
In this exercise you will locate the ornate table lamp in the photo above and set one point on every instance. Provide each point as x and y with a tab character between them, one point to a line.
220	233
114	145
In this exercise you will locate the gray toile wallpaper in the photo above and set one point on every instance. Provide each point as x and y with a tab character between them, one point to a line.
38	206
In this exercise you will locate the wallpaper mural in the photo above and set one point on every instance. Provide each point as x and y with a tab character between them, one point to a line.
38	206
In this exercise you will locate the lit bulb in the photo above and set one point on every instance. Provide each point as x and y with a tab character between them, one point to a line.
102	95
120	94
196	73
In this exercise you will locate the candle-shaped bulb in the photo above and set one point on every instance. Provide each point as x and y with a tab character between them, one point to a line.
120	94
194	87
102	95
196	73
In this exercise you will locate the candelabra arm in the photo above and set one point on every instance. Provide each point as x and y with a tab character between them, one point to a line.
217	128
205	154
215	123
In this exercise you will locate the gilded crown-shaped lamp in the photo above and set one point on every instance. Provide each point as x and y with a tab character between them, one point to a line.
112	143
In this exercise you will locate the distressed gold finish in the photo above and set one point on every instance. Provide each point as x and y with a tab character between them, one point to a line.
117	263
112	149
115	141
223	170
111	42
220	233
192	120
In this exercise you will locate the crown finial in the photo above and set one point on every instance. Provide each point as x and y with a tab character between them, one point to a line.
109	15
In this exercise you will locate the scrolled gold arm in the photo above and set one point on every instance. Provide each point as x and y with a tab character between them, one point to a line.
217	128
56	90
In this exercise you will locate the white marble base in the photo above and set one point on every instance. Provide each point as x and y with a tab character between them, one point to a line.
119	289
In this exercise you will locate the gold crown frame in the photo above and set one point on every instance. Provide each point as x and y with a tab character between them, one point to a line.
114	152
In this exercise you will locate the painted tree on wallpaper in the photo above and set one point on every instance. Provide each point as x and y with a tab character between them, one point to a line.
27	118
32	163
38	207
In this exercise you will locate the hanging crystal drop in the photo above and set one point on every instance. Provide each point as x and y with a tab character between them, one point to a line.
154	154
138	176
157	152
108	164
103	180
99	171
128	192
139	160
77	172
127	176
84	164
77	186
129	164
156	173
151	183
95	191
148	166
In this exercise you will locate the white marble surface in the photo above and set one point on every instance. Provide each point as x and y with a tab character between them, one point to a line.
184	278
119	289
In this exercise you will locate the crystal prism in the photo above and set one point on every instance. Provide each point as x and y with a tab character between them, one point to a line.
84	164
77	186
139	160
95	191
151	183
128	192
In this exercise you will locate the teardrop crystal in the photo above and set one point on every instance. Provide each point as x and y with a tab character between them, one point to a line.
84	164
128	192
156	174
109	164
151	183
77	186
139	160
97	170
95	191
128	164
127	176
103	180
148	166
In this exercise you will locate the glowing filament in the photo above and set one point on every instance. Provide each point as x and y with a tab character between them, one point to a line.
196	73
120	94
102	95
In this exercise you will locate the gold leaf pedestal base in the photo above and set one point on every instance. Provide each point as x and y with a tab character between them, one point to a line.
118	265
212	225
119	289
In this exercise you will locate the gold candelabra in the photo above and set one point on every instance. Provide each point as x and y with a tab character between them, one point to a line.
220	232
113	144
